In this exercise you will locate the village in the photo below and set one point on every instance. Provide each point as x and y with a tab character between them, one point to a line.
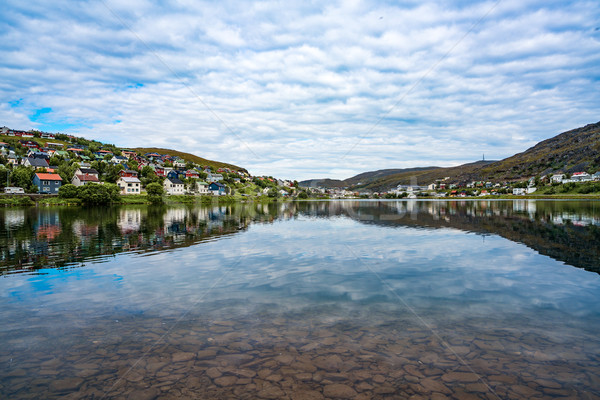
42	163
38	162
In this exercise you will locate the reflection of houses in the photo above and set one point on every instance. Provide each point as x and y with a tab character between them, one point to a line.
129	220
13	218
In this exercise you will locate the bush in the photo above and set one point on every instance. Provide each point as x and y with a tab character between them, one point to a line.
155	191
68	191
94	193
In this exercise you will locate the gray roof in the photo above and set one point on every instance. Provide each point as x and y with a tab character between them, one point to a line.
38	162
175	181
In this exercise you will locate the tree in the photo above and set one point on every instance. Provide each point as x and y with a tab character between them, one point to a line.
68	191
155	192
94	193
23	177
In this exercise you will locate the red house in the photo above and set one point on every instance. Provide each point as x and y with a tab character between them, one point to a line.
127	173
190	173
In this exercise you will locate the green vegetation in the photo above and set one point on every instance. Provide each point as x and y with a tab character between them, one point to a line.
92	193
188	157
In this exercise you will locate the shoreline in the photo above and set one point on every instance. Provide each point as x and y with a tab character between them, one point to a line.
27	200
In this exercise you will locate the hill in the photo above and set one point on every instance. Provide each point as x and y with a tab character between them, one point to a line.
188	157
576	150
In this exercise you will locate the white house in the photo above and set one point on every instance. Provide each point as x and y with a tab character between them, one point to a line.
519	191
129	185
179	163
581	177
173	186
202	188
82	179
214	177
558	178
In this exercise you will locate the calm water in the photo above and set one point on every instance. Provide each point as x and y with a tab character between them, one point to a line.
349	299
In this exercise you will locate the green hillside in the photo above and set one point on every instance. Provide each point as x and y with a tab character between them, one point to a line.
188	157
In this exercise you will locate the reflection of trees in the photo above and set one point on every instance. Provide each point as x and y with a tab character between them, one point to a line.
566	231
60	237
34	238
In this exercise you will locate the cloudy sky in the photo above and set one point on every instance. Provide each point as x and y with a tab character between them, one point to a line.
305	89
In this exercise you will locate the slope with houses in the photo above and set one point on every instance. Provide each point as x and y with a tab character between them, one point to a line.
54	160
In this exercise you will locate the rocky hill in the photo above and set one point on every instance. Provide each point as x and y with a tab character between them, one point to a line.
576	150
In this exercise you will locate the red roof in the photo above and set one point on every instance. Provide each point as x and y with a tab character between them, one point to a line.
74	149
48	177
88	178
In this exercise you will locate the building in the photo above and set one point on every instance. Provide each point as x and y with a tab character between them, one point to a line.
83	179
558	178
128	173
202	188
86	171
35	162
47	183
173	186
217	189
129	185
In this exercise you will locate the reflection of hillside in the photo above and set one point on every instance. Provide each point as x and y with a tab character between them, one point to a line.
568	231
32	238
565	231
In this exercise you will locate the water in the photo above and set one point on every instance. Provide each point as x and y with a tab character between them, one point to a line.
348	299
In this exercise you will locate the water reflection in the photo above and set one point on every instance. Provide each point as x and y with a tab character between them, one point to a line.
394	299
33	238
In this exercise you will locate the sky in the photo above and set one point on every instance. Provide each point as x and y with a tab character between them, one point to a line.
304	89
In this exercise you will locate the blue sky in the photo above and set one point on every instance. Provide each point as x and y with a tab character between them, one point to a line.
304	89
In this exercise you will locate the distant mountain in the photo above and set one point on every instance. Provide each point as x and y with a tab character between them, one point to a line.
576	150
572	151
188	157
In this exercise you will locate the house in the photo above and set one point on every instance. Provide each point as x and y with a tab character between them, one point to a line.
173	186
129	185
83	179
190	173
581	177
35	162
172	174
128	173
45	135
86	171
128	153
47	183
179	163
519	191
29	144
119	160
431	186
217	189
596	176
558	178
202	188
211	177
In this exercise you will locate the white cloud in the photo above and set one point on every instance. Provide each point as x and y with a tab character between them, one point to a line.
304	90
